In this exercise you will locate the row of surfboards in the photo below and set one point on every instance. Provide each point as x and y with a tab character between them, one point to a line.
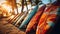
23	16
40	18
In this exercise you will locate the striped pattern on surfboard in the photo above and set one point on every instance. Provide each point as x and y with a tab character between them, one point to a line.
17	18
21	18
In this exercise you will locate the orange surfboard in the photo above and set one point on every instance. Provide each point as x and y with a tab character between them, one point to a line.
47	20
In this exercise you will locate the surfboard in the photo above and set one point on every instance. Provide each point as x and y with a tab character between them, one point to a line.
28	17
47	20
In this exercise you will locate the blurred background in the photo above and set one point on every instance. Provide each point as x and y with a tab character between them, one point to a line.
12	10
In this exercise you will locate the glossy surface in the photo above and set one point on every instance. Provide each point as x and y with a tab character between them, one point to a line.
47	20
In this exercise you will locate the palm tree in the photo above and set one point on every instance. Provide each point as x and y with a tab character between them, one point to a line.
37	1
30	2
16	6
26	4
22	5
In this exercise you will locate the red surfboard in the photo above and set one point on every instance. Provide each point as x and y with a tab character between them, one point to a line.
47	20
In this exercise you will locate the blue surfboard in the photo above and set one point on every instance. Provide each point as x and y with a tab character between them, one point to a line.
28	17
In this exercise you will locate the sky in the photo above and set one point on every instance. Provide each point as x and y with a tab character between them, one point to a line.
47	1
1	1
